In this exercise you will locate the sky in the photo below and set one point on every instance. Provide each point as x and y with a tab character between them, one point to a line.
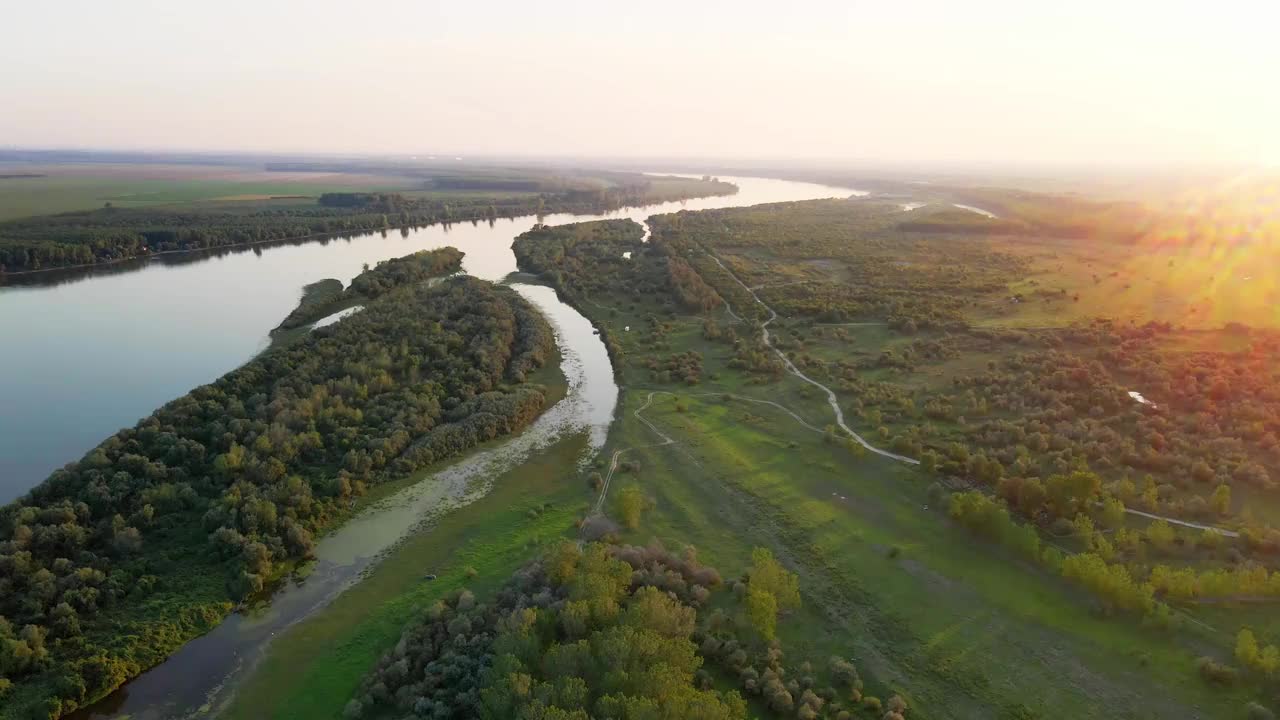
1117	83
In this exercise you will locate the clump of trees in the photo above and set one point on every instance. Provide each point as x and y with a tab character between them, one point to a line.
588	631
608	631
684	367
411	268
632	504
323	298
689	288
1264	660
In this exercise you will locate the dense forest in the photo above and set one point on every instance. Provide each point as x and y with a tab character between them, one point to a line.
116	233
151	538
615	631
322	298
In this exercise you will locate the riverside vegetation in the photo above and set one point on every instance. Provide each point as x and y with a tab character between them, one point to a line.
323	298
114	232
965	350
1009	574
152	538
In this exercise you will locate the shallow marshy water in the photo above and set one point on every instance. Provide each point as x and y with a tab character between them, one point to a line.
331	319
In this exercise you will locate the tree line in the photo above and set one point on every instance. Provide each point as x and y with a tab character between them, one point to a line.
111	233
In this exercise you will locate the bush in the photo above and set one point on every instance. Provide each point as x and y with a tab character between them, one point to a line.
1216	673
631	505
1254	711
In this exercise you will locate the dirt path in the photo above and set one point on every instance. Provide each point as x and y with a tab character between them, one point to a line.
785	284
1184	523
617	454
831	396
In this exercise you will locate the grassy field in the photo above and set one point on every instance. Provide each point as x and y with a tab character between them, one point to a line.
62	188
28	189
952	624
1193	286
313	669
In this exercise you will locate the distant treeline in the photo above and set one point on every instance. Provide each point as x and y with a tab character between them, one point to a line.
111	234
116	560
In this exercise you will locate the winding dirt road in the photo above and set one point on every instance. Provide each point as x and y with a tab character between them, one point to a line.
1184	523
831	396
617	454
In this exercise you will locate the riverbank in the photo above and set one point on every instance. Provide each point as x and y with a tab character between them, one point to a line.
312	670
205	671
187	548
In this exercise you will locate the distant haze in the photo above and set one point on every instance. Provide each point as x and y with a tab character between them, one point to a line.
1114	83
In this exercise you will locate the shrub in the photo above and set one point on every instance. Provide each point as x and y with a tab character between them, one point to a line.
1255	711
1216	673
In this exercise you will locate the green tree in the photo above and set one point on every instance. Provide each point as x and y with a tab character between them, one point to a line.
1246	648
1160	534
1112	513
761	610
1220	501
631	506
768	575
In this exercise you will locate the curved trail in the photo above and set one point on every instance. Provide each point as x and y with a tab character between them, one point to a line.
613	462
831	396
1184	523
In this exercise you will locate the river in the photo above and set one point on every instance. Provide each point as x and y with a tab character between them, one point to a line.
88	353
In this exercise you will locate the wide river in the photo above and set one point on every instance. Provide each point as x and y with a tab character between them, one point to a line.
87	354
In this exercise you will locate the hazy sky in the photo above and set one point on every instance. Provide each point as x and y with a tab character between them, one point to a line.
1023	82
